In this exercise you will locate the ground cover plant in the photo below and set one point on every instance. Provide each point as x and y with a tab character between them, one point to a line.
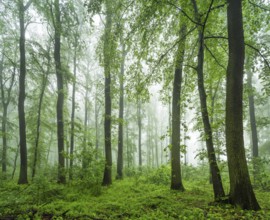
146	195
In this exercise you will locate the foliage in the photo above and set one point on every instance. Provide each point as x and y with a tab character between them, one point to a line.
131	198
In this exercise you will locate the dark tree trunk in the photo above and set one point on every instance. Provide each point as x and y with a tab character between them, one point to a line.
22	125
241	191
15	161
107	178
176	178
214	170
121	118
60	94
73	110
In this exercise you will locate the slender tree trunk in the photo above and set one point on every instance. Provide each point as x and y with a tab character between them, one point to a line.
156	144
215	173
43	87
139	118
5	97
96	123
107	178
253	125
15	161
241	191
60	94
22	125
121	118
73	111
176	177
84	159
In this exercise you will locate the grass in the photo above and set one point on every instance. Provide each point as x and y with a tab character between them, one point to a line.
140	197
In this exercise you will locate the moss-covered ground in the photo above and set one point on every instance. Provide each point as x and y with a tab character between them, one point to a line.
139	197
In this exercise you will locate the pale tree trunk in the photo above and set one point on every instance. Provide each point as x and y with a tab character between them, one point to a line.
139	120
6	98
72	118
241	191
253	124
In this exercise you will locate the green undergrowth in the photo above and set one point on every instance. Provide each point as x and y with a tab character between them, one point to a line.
140	197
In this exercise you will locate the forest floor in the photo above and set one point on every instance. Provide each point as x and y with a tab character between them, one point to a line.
132	198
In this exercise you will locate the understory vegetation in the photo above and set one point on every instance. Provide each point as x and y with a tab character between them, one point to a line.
142	194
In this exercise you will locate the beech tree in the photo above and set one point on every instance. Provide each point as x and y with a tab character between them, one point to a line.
22	125
60	91
241	191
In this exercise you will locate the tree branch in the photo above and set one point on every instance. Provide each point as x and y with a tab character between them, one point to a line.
181	10
247	44
27	5
175	44
216	60
258	6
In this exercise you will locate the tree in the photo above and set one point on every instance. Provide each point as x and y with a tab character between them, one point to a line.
5	98
215	173
60	92
176	179
45	73
107	50
241	191
121	117
22	125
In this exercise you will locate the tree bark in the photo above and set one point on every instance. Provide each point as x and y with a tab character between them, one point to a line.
139	118
107	178
43	87
176	178
241	191
22	125
121	117
5	97
214	170
60	94
72	117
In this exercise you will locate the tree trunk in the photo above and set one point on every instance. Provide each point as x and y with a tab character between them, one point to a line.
43	87
121	118
215	173
241	191
176	178
139	118
5	97
84	157
107	178
22	126
73	110
60	94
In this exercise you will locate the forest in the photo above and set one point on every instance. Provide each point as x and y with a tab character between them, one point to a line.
134	109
